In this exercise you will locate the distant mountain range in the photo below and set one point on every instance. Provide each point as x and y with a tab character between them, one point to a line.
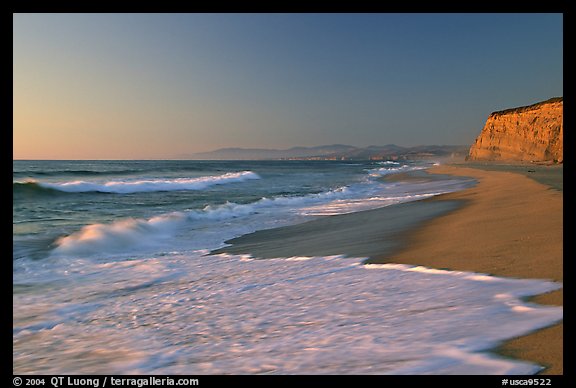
336	152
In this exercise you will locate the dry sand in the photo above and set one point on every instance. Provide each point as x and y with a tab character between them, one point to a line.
506	225
511	226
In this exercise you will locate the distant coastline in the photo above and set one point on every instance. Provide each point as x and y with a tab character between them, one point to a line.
337	152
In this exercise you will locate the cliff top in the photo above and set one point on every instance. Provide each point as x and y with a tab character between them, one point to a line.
526	108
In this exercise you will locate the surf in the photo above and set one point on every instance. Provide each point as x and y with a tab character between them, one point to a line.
146	185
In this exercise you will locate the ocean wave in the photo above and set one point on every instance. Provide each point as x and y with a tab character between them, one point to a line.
32	173
208	223
381	171
32	189
119	236
127	234
70	173
146	185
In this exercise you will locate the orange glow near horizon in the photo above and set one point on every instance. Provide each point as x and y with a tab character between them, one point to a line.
166	86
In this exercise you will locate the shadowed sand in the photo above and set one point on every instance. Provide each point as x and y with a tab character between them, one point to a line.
506	225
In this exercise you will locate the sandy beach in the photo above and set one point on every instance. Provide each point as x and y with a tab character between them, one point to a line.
510	226
507	225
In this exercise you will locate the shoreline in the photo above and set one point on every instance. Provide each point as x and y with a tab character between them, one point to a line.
506	225
512	227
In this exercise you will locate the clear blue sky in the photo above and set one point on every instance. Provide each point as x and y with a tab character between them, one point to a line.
121	86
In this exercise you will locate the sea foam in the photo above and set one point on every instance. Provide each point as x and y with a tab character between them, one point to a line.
305	315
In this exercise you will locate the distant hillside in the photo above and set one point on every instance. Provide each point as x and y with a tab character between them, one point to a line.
335	152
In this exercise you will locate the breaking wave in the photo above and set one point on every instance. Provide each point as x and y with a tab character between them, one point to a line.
136	186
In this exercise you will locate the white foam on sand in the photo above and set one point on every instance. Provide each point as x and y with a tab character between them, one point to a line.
230	314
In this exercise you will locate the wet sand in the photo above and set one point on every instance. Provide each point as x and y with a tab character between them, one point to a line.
506	225
369	233
511	226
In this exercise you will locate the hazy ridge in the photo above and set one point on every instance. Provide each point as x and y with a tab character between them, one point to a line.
336	151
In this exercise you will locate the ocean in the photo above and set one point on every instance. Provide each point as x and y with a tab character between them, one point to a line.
113	273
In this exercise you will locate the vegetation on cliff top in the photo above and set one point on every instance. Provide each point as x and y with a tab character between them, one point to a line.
527	108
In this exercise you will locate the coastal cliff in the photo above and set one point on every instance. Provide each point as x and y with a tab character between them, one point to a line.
529	133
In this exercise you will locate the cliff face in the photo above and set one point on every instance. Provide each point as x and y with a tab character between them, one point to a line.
529	133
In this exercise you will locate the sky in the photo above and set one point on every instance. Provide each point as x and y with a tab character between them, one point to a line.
161	86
